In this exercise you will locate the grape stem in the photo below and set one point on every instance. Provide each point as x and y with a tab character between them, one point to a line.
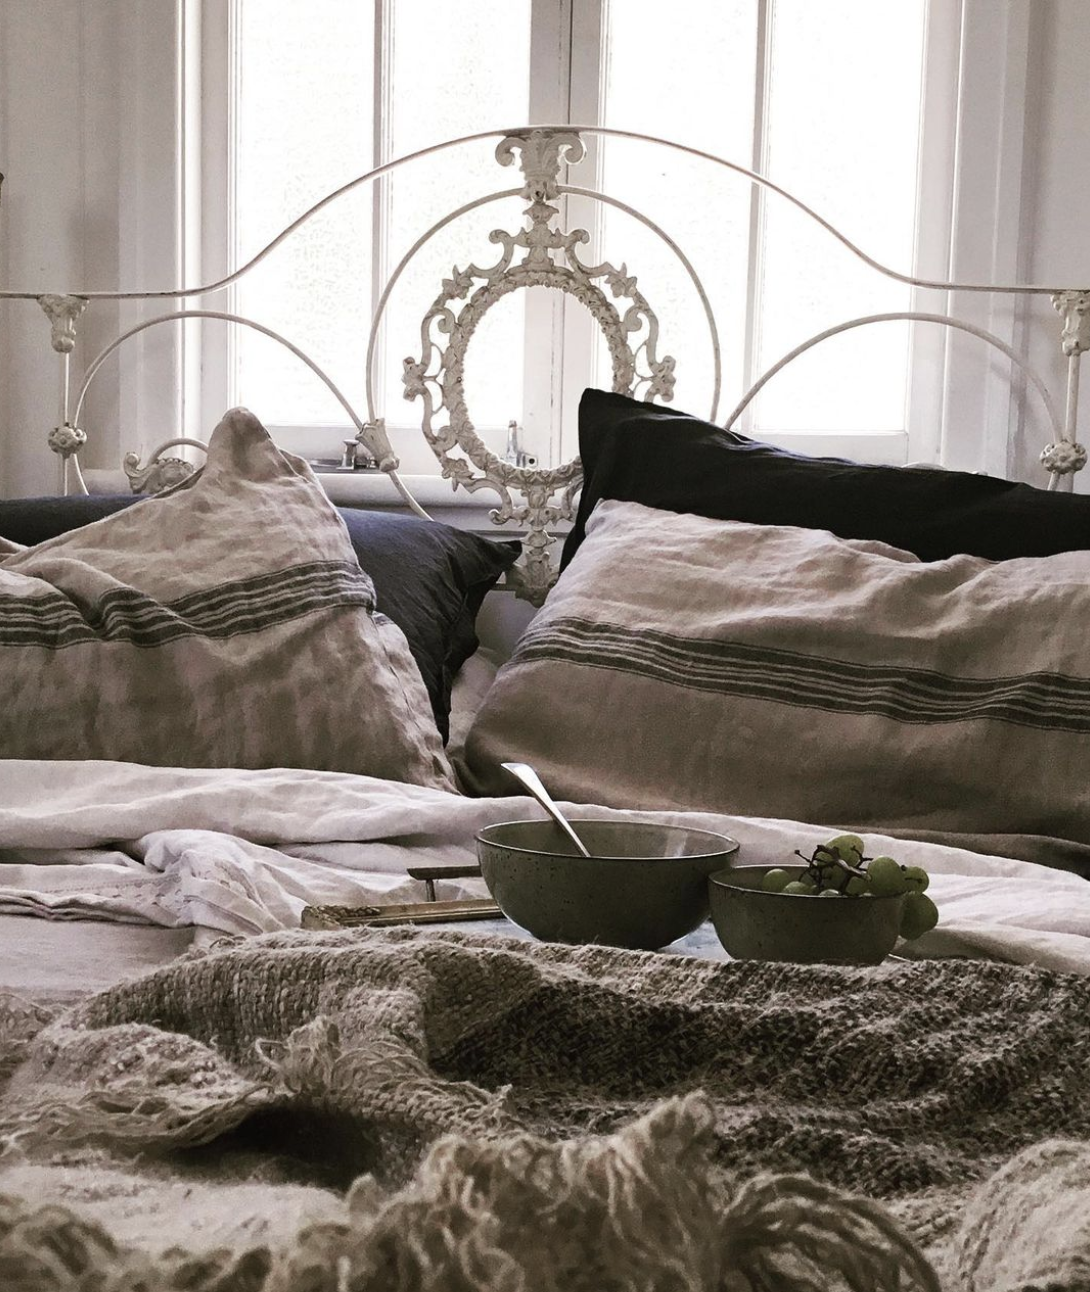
833	859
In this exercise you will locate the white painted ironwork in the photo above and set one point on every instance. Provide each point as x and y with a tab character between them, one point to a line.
921	316
1065	455
63	311
161	472
540	254
372	433
609	132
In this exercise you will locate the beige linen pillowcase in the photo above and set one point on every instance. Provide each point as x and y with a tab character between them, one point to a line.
225	623
682	662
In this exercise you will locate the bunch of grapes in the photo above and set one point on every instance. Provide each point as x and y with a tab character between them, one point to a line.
839	869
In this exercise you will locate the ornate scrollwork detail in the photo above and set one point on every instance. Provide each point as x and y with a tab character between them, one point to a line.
542	254
62	312
1075	308
66	440
1063	458
160	473
374	440
541	155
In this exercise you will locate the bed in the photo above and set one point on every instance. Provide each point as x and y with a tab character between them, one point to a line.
230	699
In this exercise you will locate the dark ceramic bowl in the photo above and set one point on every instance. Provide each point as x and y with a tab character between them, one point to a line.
754	925
644	886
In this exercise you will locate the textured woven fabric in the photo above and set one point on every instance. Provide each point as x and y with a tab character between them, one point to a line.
227	624
668	1106
429	578
783	672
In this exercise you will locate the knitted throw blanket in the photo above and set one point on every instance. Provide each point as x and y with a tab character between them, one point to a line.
405	1109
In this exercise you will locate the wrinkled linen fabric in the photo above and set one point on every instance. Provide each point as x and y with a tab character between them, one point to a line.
226	622
240	852
405	1109
778	671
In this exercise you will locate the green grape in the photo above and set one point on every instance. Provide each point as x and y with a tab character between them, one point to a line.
828	892
798	889
886	879
776	880
916	878
832	877
849	847
856	886
919	915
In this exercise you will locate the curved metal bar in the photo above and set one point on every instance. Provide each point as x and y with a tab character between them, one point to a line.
391	282
709	313
80	482
103	355
602	131
170	444
910	315
426	237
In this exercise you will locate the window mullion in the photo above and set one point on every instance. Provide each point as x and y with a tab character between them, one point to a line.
929	354
215	29
587	53
549	102
751	350
381	152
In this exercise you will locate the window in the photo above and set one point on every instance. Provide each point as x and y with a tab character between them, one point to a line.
828	100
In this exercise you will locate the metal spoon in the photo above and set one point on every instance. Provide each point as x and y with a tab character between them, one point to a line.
529	778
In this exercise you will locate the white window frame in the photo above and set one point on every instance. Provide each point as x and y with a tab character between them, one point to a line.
946	420
211	38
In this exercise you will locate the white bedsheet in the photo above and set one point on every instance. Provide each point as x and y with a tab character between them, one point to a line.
241	852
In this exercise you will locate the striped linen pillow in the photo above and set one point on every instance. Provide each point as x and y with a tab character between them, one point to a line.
227	623
682	662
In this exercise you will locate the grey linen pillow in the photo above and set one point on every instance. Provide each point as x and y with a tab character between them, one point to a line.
227	623
682	662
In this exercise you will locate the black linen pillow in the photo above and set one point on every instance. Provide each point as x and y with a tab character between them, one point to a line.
638	452
430	578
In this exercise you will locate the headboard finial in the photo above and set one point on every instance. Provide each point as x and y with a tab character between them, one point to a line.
63	311
1075	308
541	155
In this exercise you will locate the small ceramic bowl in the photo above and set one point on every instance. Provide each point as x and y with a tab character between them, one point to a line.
754	925
644	885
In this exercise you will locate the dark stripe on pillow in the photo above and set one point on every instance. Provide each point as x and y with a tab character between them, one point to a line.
1048	701
228	610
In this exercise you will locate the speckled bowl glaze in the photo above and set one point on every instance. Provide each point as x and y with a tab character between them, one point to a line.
754	925
644	886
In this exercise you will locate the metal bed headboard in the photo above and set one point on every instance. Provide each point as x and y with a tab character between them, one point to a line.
541	253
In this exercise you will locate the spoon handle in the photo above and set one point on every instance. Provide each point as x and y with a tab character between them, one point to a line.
526	775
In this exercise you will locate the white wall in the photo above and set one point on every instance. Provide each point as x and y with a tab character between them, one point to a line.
41	220
86	87
1055	220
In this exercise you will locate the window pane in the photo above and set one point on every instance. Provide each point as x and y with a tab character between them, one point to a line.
306	124
303	126
843	135
457	68
697	88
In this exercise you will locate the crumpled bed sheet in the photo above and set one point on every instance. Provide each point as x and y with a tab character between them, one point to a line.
241	852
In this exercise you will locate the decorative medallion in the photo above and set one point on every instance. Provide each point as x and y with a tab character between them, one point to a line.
66	440
1063	458
540	255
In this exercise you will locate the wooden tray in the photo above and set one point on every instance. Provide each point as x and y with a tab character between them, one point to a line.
346	917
